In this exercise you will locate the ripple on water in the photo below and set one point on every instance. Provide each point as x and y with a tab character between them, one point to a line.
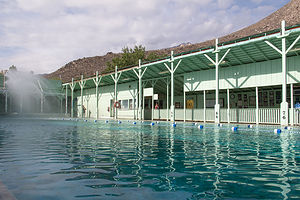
88	160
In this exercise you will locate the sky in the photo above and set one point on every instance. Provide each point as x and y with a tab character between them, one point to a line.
44	35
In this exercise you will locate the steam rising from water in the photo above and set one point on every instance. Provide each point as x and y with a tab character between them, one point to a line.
26	91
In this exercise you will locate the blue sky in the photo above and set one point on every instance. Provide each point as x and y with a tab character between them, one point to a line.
44	35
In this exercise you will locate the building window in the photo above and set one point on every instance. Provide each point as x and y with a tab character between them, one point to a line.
124	104
131	107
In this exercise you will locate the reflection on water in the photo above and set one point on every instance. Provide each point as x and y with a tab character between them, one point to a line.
124	161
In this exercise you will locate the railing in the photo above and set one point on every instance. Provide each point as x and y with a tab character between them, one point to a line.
294	117
242	115
269	115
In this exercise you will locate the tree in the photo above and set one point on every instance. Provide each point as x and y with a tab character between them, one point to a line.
130	57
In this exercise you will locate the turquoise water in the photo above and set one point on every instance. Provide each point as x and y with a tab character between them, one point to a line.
64	159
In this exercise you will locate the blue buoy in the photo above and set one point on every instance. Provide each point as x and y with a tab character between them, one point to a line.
63	119
95	120
106	121
152	124
250	126
133	122
234	128
220	125
277	130
119	122
174	124
85	120
200	127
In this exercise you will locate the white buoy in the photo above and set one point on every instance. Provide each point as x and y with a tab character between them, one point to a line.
157	122
200	127
220	125
289	128
250	126
195	124
277	130
234	128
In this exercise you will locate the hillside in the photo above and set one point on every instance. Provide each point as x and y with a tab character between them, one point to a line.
88	66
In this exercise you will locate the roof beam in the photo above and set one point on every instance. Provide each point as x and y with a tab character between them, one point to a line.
245	52
236	58
262	53
205	64
289	43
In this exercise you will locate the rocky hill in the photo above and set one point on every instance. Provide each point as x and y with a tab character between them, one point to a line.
88	66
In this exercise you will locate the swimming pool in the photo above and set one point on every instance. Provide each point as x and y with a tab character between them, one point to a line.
68	159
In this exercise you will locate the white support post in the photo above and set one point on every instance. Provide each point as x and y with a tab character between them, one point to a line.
184	105
72	86
97	81
172	117
143	109
152	109
228	107
42	96
204	106
168	82
82	84
284	105
116	79
172	71
292	105
140	75
256	111
217	62
133	95
66	100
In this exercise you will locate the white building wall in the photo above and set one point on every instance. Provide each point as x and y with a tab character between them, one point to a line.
106	94
260	74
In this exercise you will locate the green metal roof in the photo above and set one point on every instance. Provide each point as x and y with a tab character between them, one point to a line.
246	50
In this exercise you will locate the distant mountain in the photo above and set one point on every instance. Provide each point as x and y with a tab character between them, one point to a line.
89	66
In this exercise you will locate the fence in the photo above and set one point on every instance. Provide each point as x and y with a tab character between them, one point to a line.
236	115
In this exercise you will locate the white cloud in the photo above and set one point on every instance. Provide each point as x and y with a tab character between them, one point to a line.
43	35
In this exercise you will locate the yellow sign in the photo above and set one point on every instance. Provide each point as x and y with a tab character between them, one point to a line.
190	104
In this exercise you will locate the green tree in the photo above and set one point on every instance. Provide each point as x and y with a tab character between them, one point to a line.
131	56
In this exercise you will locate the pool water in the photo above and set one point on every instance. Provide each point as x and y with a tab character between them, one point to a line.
68	159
